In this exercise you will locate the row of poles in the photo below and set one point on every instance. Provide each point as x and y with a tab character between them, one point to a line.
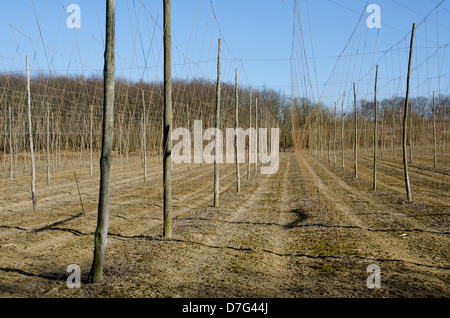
101	231
100	236
375	137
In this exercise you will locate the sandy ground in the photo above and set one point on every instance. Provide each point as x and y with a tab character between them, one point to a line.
311	230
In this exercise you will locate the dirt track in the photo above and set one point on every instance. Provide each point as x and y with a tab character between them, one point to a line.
310	230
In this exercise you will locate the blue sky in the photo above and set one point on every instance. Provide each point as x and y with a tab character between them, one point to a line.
257	37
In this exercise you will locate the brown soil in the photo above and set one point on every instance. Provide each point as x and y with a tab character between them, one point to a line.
311	230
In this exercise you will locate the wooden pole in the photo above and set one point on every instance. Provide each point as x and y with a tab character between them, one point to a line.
356	134
382	131
201	118
30	133
101	231
167	161
365	129
161	140
249	134
188	128
434	131
48	143
53	146
342	134
90	143
236	137
444	133
5	133
393	132
405	118
383	111
144	138
216	149
334	136
426	135
11	169
375	137
121	146
256	135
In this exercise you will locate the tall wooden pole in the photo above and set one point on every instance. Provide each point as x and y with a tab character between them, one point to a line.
48	143
444	133
188	119
256	134
236	137
375	137
217	144
334	136
30	133
121	145
101	231
365	129
167	160
10	145
342	134
434	131
249	134
356	134
328	140
405	118
393	132
90	142
383	111
144	138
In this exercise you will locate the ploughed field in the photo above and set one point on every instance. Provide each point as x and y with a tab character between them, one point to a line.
310	230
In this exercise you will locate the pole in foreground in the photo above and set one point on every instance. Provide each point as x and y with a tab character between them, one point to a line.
434	131
405	117
356	134
256	135
101	231
342	134
216	149
375	137
250	134
167	161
